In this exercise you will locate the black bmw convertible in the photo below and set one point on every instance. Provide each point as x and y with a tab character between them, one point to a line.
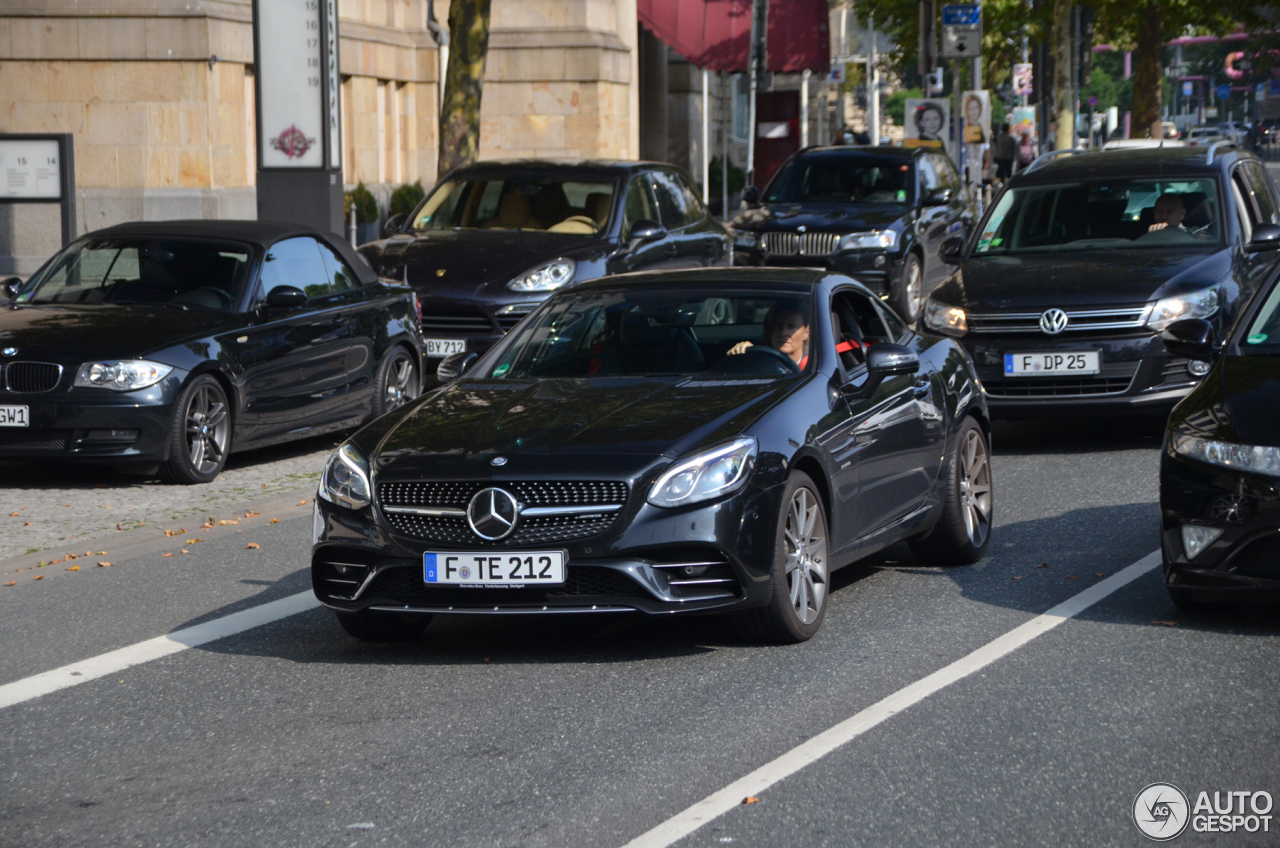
704	441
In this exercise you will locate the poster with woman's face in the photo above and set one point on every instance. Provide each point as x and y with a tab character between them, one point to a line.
977	116
928	123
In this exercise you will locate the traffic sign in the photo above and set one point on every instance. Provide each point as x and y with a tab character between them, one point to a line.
837	73
961	30
1093	101
1188	88
1224	91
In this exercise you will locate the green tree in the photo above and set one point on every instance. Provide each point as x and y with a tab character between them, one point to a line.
463	83
895	105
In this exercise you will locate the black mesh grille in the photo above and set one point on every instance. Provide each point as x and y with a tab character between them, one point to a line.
534	530
32	376
25	439
407	585
451	494
1115	379
468	322
1260	559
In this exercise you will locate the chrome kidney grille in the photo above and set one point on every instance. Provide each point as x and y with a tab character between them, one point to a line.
31	377
803	244
550	511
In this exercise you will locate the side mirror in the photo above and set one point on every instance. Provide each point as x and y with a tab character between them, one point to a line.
951	251
937	197
394	224
10	286
751	195
454	366
286	297
645	231
1265	237
1192	338
886	360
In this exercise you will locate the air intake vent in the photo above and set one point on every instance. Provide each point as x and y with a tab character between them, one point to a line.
32	376
473	323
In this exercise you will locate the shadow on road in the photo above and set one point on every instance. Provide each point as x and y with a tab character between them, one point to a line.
1059	435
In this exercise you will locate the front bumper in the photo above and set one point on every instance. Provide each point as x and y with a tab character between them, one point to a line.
93	425
875	269
1138	376
638	564
1245	559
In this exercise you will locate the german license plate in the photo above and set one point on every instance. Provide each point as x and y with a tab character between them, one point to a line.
14	416
1057	364
445	347
485	568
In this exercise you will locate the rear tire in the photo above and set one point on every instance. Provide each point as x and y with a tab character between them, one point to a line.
963	533
371	626
906	294
200	433
801	573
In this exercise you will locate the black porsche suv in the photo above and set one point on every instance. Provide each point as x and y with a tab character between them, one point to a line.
878	214
1084	259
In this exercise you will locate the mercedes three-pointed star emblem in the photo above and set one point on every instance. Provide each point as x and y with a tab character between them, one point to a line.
492	514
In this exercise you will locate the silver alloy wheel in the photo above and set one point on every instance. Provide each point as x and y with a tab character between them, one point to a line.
399	388
208	429
911	289
806	568
975	487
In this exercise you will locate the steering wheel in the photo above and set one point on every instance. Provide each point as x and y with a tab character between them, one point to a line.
583	219
791	366
224	297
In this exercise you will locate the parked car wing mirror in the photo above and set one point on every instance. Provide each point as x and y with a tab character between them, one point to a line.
286	297
1192	338
885	360
394	224
454	366
937	197
1265	237
10	286
951	251
645	231
751	195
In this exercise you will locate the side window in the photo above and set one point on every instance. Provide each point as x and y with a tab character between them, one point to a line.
1263	193
639	205
1244	206
294	262
671	203
928	176
856	324
338	273
947	176
692	202
897	329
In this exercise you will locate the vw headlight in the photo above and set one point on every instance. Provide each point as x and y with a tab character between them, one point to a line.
870	240
122	376
545	278
345	480
711	474
1199	304
948	320
1253	458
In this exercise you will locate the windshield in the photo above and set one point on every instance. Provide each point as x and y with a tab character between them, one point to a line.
1139	213
186	273
843	179
525	201
617	333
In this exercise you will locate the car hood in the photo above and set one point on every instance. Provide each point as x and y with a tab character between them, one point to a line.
1239	401
1035	281
538	426
78	333
820	217
466	261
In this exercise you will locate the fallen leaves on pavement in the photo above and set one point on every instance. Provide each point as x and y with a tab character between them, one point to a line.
38	577
274	521
751	799
185	551
1166	623
26	524
1098	574
12	514
1071	577
253	546
174	532
1017	578
251	515
226	521
166	555
194	541
104	565
74	568
11	582
302	502
1043	565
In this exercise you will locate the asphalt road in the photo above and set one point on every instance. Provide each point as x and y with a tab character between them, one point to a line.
514	732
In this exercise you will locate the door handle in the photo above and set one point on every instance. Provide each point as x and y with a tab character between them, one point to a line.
670	249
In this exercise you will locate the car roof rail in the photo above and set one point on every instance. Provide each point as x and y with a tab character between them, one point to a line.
1213	149
1043	158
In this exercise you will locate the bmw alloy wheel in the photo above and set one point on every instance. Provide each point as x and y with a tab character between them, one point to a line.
806	566
208	428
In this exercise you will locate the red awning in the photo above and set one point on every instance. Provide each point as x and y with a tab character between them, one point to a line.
713	34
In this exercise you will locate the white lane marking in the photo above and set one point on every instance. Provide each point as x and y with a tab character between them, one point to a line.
713	806
153	649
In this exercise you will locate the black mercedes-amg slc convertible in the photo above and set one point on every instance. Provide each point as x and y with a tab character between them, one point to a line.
704	441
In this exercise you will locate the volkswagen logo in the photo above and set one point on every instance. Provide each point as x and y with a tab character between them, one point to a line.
492	514
1053	321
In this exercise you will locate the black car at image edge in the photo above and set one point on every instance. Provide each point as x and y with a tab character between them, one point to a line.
166	346
624	449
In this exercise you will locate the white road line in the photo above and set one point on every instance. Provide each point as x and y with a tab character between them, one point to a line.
153	649
713	806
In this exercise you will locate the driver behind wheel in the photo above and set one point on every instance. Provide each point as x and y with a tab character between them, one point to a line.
786	329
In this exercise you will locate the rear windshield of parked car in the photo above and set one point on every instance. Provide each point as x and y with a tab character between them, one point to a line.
186	273
841	178
617	333
526	201
1106	214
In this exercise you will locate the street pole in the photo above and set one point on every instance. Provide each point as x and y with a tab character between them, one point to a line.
1026	56
706	134
804	107
957	115
873	84
725	126
755	62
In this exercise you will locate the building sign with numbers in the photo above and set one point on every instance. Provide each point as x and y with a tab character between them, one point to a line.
30	169
291	82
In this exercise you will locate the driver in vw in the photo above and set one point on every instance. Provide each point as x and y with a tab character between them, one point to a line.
786	329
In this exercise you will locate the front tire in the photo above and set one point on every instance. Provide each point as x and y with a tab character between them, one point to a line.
907	293
397	382
798	599
200	433
371	626
963	533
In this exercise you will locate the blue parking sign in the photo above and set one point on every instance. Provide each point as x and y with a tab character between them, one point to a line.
962	14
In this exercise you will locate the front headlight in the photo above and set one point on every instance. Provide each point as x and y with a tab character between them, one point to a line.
948	320
712	474
1199	304
122	376
870	240
345	480
545	278
1252	458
